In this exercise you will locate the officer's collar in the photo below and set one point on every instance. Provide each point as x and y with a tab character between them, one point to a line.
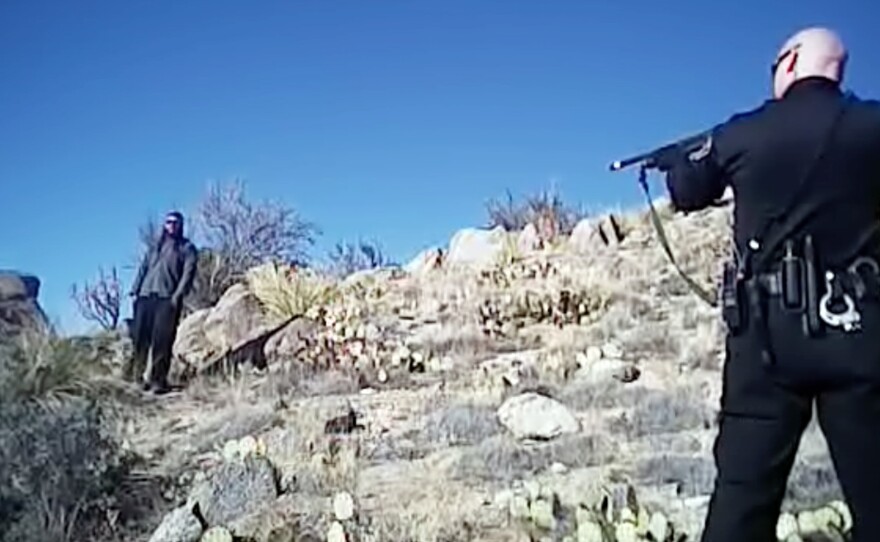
813	84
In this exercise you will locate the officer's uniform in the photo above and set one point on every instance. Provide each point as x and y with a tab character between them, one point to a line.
780	359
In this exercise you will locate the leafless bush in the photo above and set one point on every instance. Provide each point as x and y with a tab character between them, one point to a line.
100	302
238	235
148	233
347	258
546	211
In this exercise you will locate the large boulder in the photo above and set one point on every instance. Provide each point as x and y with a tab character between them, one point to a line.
210	334
19	306
477	247
426	261
531	416
234	490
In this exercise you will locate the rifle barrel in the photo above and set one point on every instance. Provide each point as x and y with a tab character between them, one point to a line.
689	144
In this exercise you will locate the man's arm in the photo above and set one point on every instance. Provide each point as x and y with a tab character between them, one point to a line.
190	264
694	180
142	272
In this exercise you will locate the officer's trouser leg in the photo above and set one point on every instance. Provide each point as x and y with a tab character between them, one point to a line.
759	433
850	420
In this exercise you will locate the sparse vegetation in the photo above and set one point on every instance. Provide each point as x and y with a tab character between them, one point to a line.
422	361
234	235
546	211
664	413
462	424
61	469
286	292
348	258
503	459
100	302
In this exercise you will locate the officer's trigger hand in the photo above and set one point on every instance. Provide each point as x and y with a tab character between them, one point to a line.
666	158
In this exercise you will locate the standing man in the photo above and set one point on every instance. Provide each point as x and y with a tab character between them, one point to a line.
164	279
801	298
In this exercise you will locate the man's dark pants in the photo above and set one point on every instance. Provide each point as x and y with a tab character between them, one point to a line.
154	326
764	411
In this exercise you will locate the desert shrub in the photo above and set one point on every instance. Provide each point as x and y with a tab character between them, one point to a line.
58	470
246	234
59	466
42	366
546	211
100	302
235	234
348	258
286	292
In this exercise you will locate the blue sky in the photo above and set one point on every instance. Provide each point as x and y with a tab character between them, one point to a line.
388	119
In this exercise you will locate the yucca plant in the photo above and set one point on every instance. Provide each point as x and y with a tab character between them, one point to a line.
286	292
43	367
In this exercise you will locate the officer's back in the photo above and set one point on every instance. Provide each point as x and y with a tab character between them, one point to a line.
766	154
802	331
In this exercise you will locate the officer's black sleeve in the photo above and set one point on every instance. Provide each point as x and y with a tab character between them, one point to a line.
695	180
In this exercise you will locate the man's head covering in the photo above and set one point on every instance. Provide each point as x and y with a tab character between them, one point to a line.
175	216
811	52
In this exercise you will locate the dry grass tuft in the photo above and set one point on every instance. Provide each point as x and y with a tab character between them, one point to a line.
693	475
663	412
462	424
503	459
287	292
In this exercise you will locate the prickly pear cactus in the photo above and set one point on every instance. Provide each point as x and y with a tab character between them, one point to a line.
630	523
216	534
833	521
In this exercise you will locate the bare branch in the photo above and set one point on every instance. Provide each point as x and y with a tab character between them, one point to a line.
100	302
239	235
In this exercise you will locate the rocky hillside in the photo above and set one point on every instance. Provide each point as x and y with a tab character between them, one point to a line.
512	386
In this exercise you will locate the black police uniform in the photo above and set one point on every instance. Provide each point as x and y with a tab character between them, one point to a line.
804	169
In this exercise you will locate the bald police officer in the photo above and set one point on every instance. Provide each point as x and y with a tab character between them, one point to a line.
801	298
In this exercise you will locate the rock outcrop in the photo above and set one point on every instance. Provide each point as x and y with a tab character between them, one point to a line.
19	306
208	335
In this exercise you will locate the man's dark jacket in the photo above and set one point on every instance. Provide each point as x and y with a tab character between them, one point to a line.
167	270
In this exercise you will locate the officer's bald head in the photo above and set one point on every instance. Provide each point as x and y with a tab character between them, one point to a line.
812	52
